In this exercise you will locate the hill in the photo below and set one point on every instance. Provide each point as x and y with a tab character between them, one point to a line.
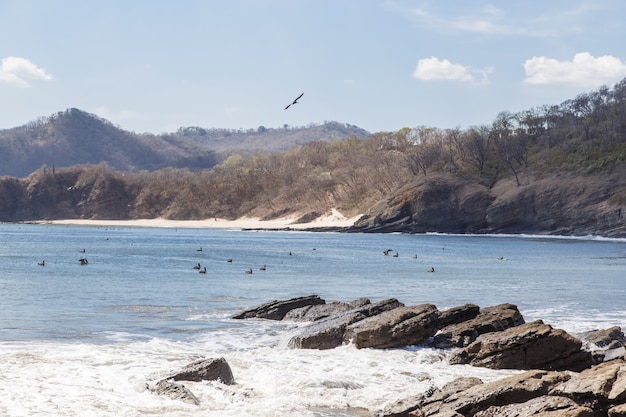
550	170
75	137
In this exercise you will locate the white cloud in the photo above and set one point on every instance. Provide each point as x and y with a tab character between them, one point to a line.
16	71
584	70
489	20
433	68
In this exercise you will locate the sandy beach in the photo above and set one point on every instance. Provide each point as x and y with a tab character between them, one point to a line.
335	219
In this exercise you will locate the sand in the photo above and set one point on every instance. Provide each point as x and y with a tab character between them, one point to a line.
335	219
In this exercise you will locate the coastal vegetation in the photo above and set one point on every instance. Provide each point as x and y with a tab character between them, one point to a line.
571	155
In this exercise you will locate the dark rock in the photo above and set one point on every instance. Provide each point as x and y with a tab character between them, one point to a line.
175	391
321	311
399	327
532	345
328	333
276	310
206	370
489	319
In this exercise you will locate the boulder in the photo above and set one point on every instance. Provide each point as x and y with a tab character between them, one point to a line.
328	333
399	327
206	370
320	311
276	310
175	391
489	319
531	345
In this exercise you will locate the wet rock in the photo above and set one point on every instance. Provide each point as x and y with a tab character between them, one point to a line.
611	338
399	327
206	370
489	319
175	391
328	333
529	346
320	311
276	310
606	344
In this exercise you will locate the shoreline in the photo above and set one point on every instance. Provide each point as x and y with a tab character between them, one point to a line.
333	220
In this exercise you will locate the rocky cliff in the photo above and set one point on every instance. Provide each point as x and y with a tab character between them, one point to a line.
560	204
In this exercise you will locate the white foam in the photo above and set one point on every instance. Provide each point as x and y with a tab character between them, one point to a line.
110	380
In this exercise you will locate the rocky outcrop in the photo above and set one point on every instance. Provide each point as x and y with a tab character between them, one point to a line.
528	346
494	337
559	205
276	310
598	391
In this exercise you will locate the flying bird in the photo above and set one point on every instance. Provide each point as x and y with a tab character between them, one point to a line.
295	101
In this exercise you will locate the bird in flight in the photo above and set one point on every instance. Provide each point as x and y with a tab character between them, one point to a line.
294	102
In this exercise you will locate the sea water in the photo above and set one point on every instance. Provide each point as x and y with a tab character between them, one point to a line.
87	340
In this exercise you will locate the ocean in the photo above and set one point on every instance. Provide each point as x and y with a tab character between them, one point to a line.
86	340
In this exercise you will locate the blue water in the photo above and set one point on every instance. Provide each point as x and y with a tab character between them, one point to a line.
140	281
88	339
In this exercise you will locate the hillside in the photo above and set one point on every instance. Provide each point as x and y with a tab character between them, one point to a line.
74	137
550	170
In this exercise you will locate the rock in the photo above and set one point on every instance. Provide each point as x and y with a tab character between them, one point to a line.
489	319
617	411
545	406
320	311
456	315
468	396
206	370
328	333
515	389
175	391
276	310
408	406
602	385
606	344
529	346
399	327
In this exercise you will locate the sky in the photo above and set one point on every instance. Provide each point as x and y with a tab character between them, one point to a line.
153	66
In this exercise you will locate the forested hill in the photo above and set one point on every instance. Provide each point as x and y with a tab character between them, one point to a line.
74	137
554	169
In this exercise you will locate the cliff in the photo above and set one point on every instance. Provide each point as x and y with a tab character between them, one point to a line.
559	204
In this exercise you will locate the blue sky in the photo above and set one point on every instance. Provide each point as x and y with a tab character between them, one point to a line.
155	65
